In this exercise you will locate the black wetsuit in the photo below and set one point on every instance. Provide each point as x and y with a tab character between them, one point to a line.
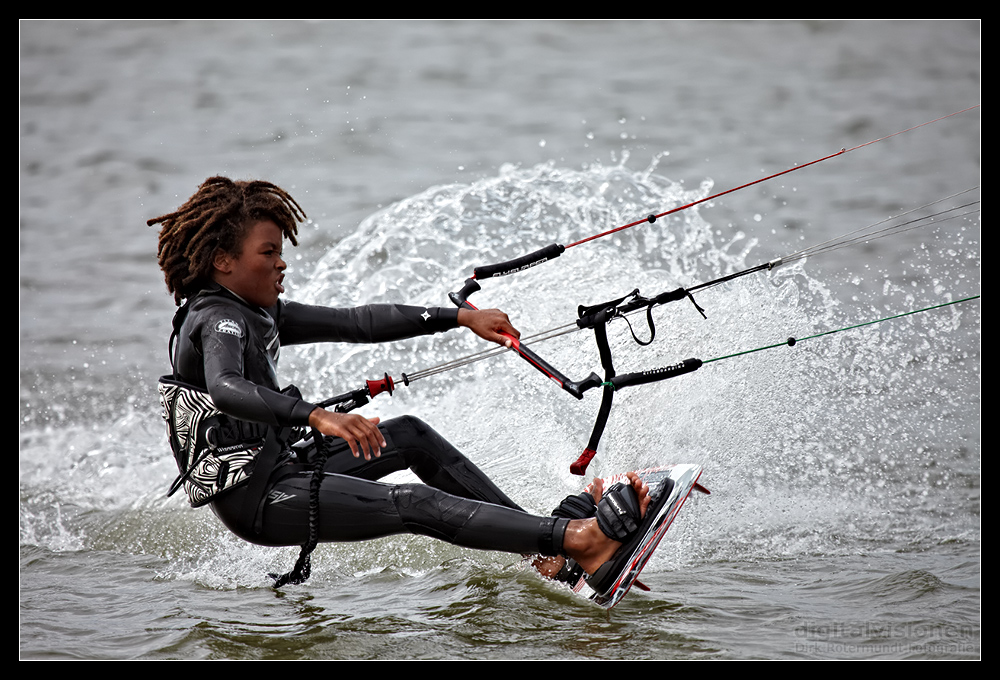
230	348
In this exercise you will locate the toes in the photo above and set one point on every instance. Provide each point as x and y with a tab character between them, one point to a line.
641	490
597	489
644	502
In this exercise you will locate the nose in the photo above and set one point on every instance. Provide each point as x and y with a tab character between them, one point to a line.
281	264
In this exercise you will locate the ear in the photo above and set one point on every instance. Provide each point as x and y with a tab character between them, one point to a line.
222	262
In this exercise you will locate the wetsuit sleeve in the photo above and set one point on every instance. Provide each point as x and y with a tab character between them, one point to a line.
298	323
223	342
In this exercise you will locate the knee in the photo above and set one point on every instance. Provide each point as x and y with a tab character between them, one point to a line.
420	446
407	426
410	435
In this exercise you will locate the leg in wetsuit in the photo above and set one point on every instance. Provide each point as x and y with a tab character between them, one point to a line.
457	502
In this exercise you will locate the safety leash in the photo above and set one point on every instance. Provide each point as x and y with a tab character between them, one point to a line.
303	565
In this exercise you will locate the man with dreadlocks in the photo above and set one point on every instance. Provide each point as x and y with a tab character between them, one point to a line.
231	426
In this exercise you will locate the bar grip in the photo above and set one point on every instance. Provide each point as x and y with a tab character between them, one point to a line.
545	254
656	374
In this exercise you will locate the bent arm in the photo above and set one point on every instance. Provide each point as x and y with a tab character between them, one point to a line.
239	397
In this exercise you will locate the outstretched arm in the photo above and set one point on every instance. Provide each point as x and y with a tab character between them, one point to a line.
300	323
381	323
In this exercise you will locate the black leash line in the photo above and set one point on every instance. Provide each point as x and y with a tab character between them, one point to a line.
638	303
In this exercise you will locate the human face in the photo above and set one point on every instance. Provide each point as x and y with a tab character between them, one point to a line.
257	272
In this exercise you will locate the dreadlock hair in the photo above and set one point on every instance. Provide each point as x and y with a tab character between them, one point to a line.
218	217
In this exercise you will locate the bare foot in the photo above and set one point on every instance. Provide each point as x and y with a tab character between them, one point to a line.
550	566
587	544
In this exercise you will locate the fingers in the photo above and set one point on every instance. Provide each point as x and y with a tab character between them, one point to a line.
360	433
489	324
365	437
505	326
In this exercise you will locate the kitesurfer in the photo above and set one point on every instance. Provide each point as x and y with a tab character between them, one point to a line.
230	424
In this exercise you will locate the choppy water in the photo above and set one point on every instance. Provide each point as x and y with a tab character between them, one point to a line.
845	515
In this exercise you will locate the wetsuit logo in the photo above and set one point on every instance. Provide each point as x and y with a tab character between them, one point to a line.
279	496
229	326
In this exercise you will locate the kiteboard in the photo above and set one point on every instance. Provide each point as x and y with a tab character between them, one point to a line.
669	487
